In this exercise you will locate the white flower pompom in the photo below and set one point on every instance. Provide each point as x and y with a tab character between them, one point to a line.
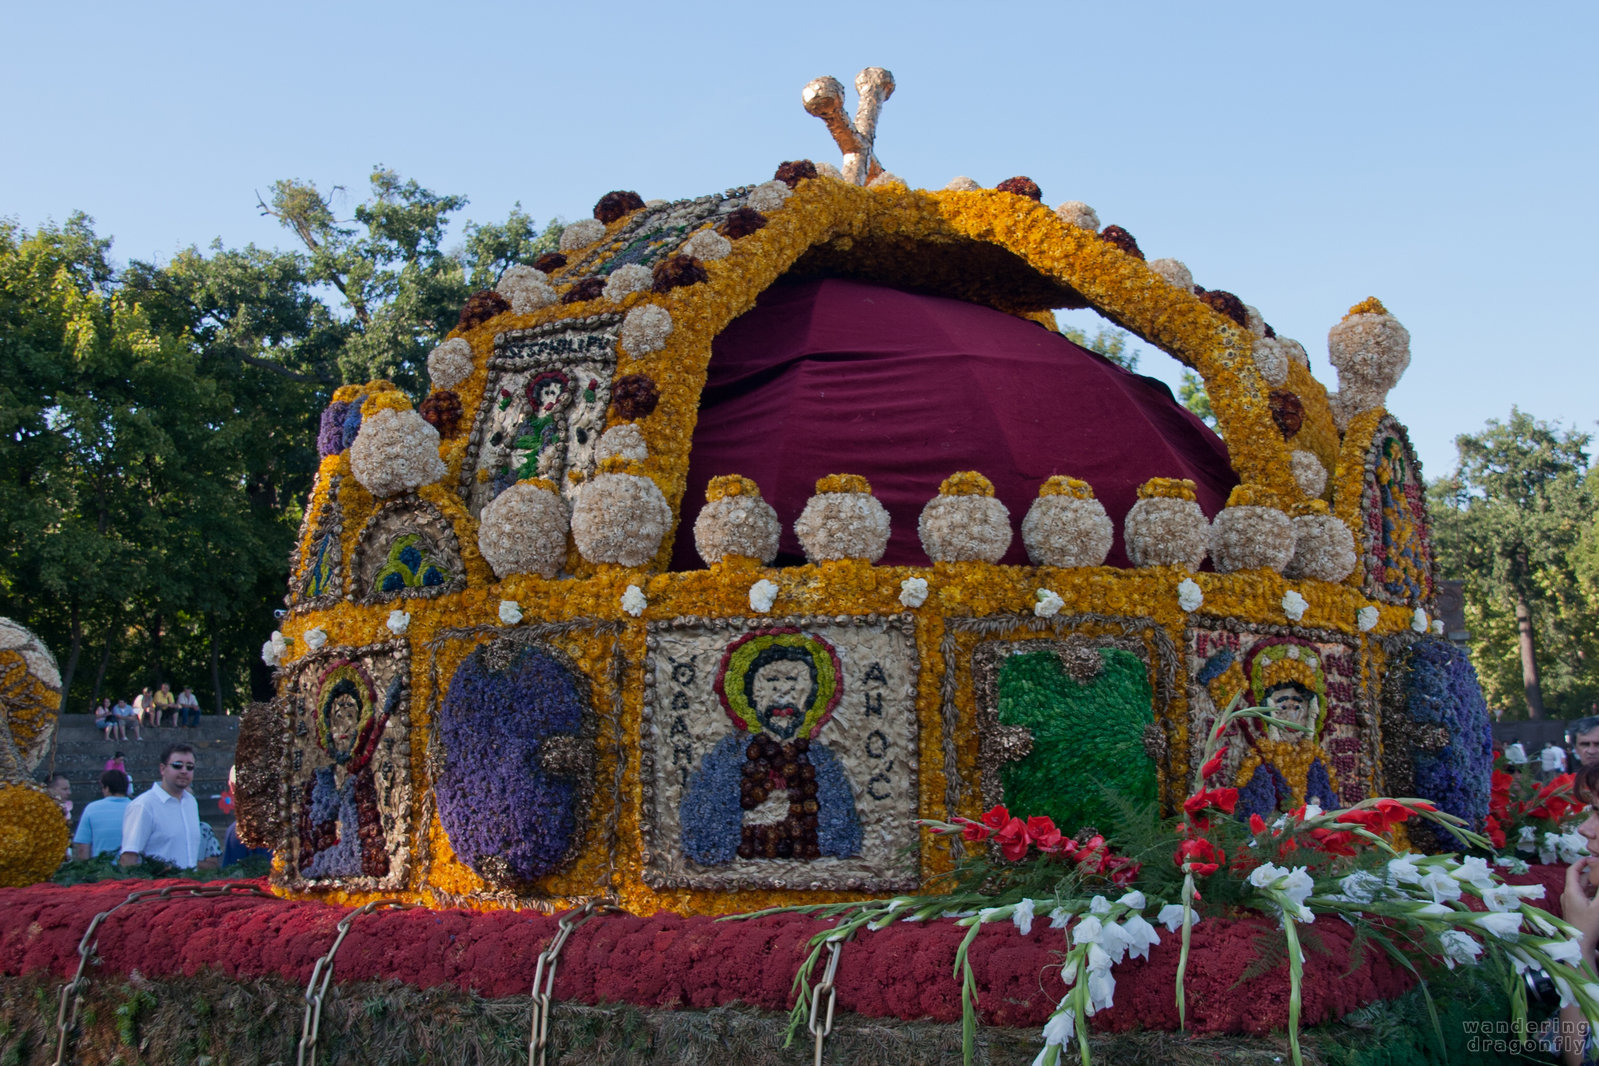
1067	528
762	595
1324	549
1418	620
633	601
1438	627
1247	537
395	452
961	529
527	288
1271	361
1366	618
707	244
1174	271
620	518
625	441
510	612
523	531
1164	531
581	234
316	638
913	591
399	621
961	183
450	363
885	179
1309	472
274	649
627	279
1255	322
646	328
1370	350
843	525
1076	213
1190	595
742	524
1048	603
1293	350
828	170
1294	605
768	196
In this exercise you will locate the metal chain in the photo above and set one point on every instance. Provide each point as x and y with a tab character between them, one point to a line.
824	990
322	972
71	997
544	975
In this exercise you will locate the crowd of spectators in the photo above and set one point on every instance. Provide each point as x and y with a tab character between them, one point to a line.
149	708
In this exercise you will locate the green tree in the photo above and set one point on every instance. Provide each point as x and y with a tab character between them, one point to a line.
1512	522
1192	395
399	288
1108	341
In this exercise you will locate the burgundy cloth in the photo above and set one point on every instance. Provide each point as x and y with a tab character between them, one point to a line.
834	376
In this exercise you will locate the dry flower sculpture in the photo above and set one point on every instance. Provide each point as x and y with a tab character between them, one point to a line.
964	522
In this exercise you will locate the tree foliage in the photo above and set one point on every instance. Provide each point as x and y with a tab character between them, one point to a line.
1515	522
1108	341
160	419
1192	395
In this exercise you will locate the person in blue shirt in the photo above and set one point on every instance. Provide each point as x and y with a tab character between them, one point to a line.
100	826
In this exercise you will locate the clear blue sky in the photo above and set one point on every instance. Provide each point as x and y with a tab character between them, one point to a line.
1439	156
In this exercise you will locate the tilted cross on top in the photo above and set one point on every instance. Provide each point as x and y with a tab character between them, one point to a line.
824	98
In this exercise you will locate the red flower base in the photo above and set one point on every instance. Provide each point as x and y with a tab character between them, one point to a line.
666	961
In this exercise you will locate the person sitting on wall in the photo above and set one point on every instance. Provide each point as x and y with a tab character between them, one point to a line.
105	721
188	708
126	716
165	704
770	789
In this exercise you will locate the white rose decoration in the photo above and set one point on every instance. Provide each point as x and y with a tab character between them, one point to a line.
633	601
1190	595
1294	605
762	595
1048	605
1366	619
510	612
1418	621
399	622
913	591
315	638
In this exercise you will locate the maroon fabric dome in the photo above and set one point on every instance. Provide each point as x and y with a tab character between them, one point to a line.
841	377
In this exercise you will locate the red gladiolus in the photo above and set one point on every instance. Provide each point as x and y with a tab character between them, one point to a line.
1334	842
1212	767
1012	840
1494	832
1223	799
1203	869
1257	824
1041	831
996	817
974	832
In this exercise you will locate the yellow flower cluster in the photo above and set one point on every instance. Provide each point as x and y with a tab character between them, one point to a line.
33	835
843	483
966	483
1060	485
1168	488
725	485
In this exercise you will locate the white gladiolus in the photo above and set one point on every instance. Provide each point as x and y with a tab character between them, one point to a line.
1140	936
1022	915
1506	925
1459	947
1404	870
1171	916
1440	886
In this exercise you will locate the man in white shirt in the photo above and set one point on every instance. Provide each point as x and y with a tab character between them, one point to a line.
164	822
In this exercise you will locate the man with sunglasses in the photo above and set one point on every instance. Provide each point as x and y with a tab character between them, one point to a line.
164	821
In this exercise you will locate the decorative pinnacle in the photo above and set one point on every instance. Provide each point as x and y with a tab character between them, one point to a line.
824	98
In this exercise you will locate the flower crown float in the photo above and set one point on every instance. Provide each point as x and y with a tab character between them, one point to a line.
711	692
